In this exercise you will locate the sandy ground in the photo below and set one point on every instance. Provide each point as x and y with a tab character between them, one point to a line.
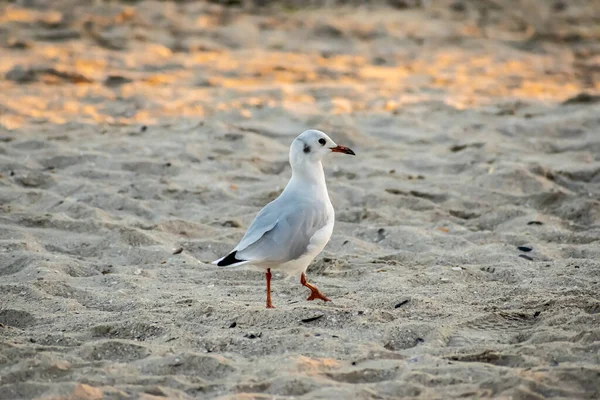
129	130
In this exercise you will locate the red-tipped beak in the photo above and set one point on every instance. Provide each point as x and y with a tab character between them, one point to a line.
342	149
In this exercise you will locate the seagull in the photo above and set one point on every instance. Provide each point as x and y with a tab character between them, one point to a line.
289	232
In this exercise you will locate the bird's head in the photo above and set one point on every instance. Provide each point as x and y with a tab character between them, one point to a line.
312	146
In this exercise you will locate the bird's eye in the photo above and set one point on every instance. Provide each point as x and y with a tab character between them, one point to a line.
322	141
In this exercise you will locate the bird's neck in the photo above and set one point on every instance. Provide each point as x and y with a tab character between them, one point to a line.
309	175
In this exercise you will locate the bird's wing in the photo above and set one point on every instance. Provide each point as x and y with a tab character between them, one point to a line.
264	221
291	228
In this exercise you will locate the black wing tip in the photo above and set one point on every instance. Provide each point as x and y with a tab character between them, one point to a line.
229	260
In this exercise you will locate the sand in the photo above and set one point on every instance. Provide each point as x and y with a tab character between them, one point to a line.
465	260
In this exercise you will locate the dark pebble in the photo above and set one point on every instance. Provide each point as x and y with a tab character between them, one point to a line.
178	251
233	324
252	335
458	147
525	257
535	223
524	248
311	319
116	80
420	340
403	302
537	314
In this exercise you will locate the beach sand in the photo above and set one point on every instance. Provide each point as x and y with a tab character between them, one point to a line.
465	259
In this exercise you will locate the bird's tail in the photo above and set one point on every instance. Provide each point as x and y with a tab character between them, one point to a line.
229	260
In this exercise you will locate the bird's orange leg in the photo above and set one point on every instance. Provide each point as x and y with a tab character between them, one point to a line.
268	274
314	292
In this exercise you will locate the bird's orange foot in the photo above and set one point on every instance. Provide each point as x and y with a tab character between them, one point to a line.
269	305
315	294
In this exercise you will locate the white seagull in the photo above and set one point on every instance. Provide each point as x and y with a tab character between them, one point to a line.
289	232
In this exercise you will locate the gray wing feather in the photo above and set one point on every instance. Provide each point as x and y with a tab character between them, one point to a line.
264	221
288	235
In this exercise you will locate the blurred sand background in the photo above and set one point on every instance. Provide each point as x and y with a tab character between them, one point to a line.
129	129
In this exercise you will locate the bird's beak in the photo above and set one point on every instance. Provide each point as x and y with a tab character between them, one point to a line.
342	149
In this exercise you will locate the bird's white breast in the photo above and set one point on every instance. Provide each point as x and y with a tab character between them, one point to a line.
321	237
